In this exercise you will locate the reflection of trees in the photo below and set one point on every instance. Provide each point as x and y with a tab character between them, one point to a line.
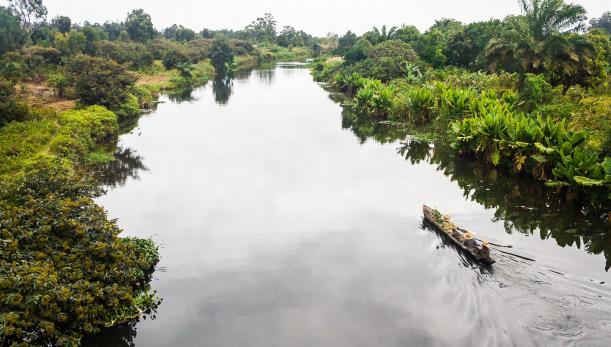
222	88
180	95
266	76
524	206
127	164
365	128
120	336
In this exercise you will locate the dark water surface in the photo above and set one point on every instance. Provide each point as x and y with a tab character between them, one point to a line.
284	221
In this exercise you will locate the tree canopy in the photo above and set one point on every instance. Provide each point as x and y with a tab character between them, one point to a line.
139	26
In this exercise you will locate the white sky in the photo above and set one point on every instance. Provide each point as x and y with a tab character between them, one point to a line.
314	16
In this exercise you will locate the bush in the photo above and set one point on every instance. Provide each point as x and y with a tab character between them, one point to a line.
83	131
99	81
535	91
145	96
174	58
422	104
349	83
386	61
11	109
456	103
129	111
542	147
59	82
39	55
64	272
374	98
133	54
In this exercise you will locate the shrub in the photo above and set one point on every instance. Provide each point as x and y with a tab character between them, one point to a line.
174	58
99	81
129	111
349	83
59	82
134	54
422	104
39	55
13	66
11	109
145	96
374	98
456	103
535	91
83	131
64	272
542	147
386	61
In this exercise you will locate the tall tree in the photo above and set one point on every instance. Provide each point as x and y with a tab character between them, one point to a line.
466	47
12	36
604	22
62	24
525	47
578	60
29	11
221	55
139	26
379	35
263	28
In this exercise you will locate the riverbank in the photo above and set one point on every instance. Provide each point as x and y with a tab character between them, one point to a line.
560	140
284	204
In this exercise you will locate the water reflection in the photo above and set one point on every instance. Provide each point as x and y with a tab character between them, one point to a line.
121	336
266	76
127	164
221	88
522	205
290	233
180	95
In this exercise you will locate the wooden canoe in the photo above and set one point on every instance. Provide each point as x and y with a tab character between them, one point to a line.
430	217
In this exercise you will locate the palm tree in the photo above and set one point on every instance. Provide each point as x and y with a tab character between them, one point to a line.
380	35
526	45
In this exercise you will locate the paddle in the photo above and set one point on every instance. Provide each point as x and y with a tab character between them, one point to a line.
492	244
515	255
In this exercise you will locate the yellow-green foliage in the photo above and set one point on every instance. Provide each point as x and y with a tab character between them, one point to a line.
82	131
594	114
64	272
278	53
245	62
129	111
20	142
72	135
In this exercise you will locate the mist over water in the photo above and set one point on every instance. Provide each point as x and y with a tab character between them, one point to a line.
284	220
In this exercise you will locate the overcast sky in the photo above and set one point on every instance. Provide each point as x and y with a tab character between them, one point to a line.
314	16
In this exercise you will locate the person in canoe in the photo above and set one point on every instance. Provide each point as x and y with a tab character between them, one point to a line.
469	240
451	228
484	250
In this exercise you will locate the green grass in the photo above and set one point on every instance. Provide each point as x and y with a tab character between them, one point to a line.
77	135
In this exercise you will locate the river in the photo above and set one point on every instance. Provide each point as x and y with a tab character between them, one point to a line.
285	220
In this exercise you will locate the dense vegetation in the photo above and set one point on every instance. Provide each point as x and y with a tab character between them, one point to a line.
66	92
529	93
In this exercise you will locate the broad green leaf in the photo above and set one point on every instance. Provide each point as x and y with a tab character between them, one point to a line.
588	182
544	149
495	157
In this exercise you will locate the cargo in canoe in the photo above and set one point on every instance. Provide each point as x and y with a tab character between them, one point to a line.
434	217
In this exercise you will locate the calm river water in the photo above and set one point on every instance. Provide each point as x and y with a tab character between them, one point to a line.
284	220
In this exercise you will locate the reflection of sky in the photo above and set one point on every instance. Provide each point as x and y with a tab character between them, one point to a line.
278	228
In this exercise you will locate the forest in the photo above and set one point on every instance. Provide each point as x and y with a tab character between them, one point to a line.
527	94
